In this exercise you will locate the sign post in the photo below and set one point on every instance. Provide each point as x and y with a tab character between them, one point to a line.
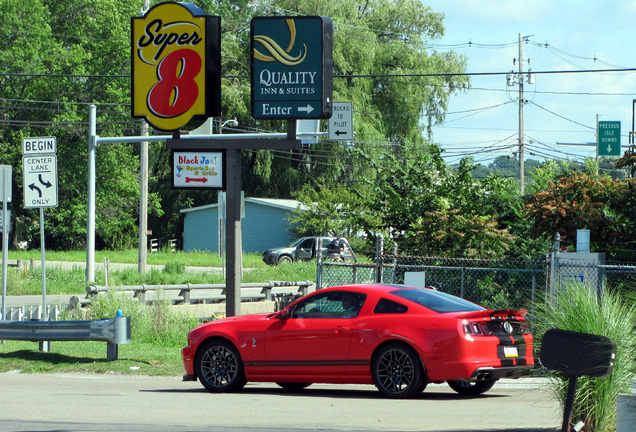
609	138
5	189
39	168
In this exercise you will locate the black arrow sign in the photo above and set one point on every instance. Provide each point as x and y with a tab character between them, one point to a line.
341	132
47	183
34	187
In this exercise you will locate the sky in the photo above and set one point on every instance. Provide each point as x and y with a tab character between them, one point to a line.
561	108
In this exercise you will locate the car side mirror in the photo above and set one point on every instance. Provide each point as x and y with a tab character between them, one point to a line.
285	314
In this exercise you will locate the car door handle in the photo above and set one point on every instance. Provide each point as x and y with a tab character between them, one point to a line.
341	329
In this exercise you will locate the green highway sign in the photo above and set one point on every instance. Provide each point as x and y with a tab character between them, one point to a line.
292	67
608	138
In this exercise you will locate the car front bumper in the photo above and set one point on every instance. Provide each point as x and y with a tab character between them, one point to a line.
270	259
188	362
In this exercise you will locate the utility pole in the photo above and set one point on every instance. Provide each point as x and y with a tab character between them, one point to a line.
522	169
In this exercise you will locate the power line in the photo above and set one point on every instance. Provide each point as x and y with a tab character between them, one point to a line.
348	76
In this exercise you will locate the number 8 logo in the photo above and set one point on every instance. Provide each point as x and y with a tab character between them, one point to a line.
177	91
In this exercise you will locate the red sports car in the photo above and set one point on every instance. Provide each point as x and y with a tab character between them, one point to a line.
396	337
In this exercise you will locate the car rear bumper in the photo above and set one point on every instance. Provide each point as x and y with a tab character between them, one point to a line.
488	373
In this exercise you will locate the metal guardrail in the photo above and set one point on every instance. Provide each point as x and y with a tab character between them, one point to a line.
198	293
113	331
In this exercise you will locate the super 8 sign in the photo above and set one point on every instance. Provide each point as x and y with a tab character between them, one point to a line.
176	65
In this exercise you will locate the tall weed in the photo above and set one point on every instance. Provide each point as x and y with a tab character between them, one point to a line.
157	323
613	315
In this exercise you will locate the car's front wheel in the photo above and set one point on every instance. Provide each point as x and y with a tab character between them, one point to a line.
398	372
469	388
219	367
285	259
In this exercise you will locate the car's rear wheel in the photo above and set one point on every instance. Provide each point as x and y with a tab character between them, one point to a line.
219	367
471	387
398	372
293	387
285	259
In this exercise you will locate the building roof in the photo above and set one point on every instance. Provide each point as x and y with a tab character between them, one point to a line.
285	204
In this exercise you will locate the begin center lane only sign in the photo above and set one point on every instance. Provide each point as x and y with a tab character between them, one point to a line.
193	169
40	181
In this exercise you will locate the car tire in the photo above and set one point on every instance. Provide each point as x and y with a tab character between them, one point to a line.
219	367
285	259
471	388
292	387
398	372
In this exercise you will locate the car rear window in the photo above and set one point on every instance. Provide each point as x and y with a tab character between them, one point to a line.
437	301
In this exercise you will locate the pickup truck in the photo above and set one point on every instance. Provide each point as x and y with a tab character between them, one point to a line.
304	249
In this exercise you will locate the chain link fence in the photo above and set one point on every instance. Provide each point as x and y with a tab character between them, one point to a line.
495	284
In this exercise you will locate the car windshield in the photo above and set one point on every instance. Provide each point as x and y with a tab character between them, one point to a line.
437	301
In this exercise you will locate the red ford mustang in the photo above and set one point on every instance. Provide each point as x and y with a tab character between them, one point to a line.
396	337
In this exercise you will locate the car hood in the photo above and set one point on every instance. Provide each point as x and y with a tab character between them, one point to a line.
279	249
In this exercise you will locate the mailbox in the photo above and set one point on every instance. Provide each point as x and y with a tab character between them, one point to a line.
578	353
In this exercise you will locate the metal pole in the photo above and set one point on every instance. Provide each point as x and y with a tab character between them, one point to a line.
90	223
43	256
233	233
5	238
143	194
143	201
45	346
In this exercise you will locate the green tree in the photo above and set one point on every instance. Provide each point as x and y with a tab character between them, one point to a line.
582	202
57	58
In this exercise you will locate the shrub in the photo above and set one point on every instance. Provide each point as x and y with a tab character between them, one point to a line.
613	315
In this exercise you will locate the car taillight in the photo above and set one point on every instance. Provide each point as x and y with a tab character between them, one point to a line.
475	329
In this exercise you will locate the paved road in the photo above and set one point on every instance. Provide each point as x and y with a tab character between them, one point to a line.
85	402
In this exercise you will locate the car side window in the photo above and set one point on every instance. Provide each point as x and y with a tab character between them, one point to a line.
307	244
330	305
386	306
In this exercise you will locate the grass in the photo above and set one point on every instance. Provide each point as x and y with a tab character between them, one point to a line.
158	332
131	256
28	280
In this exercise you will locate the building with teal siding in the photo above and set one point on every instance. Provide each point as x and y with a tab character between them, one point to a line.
265	225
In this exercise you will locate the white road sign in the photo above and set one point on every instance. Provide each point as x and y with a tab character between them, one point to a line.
39	145
341	122
40	181
5	182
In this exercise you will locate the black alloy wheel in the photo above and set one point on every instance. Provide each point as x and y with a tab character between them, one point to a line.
219	367
398	372
471	388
